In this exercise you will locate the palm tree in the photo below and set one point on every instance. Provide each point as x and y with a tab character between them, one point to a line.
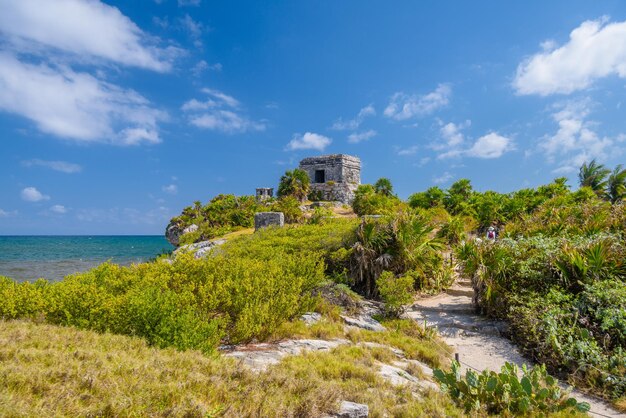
617	184
383	186
594	176
294	183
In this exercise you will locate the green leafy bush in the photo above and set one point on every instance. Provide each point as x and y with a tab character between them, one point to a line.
505	392
189	303
395	292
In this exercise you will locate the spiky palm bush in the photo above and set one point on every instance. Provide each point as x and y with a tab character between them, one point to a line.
400	244
594	175
617	184
383	186
294	183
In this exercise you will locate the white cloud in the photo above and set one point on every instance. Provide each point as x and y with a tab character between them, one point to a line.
193	28
171	189
357	137
60	209
595	49
403	106
83	28
182	3
31	194
62	166
203	66
228	100
452	134
576	140
412	150
491	145
219	113
454	143
444	178
226	121
76	105
194	104
452	139
5	214
352	124
308	141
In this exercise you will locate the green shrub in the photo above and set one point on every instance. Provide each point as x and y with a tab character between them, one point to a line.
290	207
395	292
505	392
188	304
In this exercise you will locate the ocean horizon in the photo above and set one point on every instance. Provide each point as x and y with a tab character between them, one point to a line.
52	257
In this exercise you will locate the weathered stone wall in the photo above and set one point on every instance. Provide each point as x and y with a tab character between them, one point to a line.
265	219
342	175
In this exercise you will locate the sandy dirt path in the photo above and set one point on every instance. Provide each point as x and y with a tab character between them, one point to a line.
480	342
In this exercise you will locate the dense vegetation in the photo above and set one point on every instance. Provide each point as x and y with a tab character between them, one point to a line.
66	372
556	273
536	392
559	278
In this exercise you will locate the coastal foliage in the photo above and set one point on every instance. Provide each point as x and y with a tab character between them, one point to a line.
67	372
558	277
506	392
186	304
223	214
295	183
403	244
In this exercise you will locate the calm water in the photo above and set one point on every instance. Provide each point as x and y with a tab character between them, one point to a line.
53	257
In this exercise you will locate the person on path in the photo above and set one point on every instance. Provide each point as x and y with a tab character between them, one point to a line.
491	233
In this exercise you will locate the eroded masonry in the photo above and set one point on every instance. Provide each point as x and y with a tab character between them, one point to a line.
333	177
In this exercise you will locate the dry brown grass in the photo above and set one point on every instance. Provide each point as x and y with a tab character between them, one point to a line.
48	370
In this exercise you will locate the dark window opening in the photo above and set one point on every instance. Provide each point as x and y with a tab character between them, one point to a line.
320	176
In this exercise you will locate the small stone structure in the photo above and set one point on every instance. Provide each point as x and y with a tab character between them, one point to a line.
265	219
264	193
333	177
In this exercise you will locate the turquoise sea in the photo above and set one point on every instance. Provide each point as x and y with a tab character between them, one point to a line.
53	257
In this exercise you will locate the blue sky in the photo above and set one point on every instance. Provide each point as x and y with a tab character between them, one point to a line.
115	115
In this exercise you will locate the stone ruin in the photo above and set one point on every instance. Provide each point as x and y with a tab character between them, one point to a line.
265	219
264	193
333	177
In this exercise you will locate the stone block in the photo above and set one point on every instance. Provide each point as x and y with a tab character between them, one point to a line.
265	219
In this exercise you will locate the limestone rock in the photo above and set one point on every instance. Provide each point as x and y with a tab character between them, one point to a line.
259	357
395	375
352	410
363	321
265	219
311	318
173	232
200	249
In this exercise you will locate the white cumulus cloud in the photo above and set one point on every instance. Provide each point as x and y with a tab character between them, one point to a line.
31	194
357	137
62	166
352	124
412	150
403	106
309	140
491	145
220	112
83	28
595	49
42	41
170	188
576	140
76	105
444	178
60	209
